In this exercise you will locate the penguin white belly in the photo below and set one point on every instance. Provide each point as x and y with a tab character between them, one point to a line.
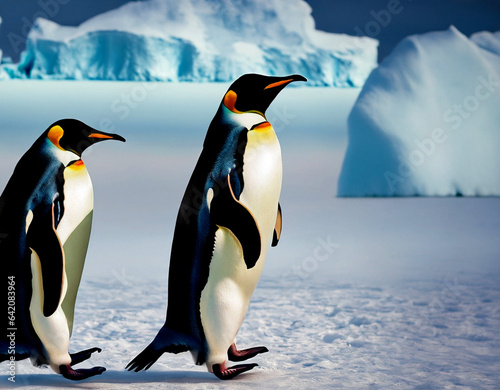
226	296
78	199
54	331
74	230
262	170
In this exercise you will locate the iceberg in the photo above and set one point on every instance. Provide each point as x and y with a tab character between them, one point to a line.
1	49
487	40
197	40
3	74
426	123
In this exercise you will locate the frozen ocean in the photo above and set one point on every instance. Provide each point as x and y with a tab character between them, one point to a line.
360	293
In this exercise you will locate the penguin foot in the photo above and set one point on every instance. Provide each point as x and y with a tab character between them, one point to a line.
238	356
223	372
83	355
80	374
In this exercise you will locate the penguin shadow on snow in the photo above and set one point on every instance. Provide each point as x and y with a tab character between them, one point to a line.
125	377
163	376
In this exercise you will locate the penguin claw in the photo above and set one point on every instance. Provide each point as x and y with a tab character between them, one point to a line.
80	374
81	356
224	373
236	355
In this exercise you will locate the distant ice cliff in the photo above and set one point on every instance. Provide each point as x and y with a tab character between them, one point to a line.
196	40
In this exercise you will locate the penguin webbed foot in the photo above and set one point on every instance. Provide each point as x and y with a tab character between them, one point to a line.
224	373
81	356
236	355
80	374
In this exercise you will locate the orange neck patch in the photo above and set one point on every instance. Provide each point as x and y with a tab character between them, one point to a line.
55	134
78	163
264	126
76	166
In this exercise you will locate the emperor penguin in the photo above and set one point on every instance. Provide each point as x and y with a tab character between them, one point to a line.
229	216
45	221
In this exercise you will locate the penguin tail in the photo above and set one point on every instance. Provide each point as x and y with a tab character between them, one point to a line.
145	359
166	340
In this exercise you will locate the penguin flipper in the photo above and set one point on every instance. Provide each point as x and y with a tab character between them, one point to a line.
42	238
277	227
230	213
166	340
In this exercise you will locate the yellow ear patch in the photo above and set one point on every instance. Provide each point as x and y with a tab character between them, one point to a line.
55	134
230	101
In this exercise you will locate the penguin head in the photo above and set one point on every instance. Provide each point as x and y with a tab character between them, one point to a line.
75	136
255	92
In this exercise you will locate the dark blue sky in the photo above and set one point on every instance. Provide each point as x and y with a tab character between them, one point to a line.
386	20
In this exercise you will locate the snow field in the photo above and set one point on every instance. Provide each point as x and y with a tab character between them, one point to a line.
359	294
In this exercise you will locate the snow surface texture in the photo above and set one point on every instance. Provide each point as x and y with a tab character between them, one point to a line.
427	120
197	40
359	294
